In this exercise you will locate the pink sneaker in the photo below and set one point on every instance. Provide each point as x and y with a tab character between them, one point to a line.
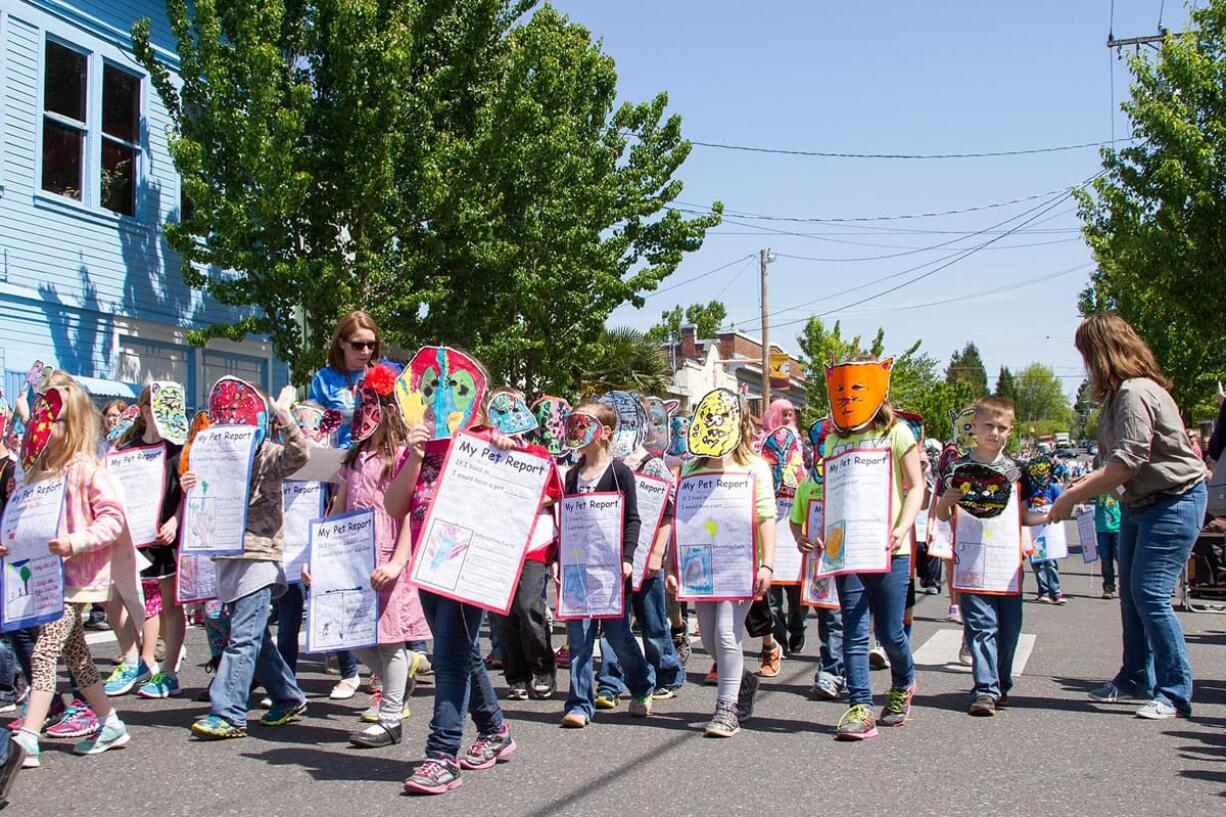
79	721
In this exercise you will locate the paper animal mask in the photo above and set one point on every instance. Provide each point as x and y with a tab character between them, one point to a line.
443	388
915	423
236	402
1038	474
631	427
985	491
199	423
716	427
38	377
372	397
168	404
582	429
126	419
316	424
658	415
551	414
783	454
963	422
43	416
856	392
508	413
679	435
817	439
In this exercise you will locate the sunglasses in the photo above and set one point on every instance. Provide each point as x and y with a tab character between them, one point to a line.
361	345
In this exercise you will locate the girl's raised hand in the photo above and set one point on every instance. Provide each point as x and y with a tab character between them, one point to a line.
60	546
419	435
281	406
386	574
502	442
807	544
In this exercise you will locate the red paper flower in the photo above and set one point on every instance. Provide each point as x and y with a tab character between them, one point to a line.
381	379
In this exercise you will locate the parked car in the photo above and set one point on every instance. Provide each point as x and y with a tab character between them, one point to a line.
1066	454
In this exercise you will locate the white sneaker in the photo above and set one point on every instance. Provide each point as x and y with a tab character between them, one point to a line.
1157	711
877	659
345	688
964	656
1108	693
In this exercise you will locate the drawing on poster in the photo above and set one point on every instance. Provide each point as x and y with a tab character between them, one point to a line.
445	550
574	587
697	572
836	556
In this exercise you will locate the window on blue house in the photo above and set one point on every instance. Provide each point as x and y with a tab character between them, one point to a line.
65	87
120	139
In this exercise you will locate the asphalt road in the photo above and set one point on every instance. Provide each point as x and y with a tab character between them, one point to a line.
1053	753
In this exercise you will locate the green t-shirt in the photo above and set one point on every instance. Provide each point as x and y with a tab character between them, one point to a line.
1106	514
898	439
806	490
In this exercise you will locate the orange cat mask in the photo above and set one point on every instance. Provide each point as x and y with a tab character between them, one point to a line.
856	391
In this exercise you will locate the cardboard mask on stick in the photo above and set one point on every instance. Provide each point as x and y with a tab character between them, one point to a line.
856	391
442	388
716	428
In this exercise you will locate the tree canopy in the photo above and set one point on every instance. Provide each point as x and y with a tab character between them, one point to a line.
967	366
707	319
460	169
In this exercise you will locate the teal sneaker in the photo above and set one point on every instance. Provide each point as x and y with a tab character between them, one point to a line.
28	741
124	677
108	737
213	727
160	685
280	715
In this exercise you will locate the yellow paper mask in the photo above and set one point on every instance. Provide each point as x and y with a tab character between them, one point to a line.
856	391
716	428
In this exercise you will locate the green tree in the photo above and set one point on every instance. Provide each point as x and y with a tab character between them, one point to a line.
460	169
626	359
1085	411
1006	385
706	318
1155	217
968	367
1041	397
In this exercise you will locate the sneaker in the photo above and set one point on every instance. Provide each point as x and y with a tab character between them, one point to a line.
1059	599
215	727
664	694
28	743
518	691
543	686
745	697
857	723
1043	598
489	749
345	688
424	667
562	657
1108	693
681	643
640	707
1108	591
984	706
493	662
877	659
897	709
434	775
108	737
607	701
796	643
724	723
955	614
574	720
964	655
377	736
160	685
54	714
712	676
932	590
371	714
772	657
1003	701
78	721
1158	711
280	715
124	677
826	689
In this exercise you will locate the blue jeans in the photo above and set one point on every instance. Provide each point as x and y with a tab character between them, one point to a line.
250	653
830	633
581	635
289	625
651	610
884	595
461	683
1108	552
1048	575
991	626
1155	543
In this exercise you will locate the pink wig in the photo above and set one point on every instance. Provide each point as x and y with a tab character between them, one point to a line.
773	418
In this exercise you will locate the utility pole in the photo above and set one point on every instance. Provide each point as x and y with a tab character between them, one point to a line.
764	258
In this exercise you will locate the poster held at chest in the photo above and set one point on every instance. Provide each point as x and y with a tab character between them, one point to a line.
859	498
816	590
652	496
1087	535
789	562
32	582
590	557
474	536
342	608
713	537
301	504
988	552
141	472
215	509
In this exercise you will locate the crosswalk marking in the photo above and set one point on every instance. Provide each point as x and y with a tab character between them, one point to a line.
941	650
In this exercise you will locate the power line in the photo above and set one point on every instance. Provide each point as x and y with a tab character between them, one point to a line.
696	277
823	154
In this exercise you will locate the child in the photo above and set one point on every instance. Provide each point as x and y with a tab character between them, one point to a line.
1107	526
379	439
247	583
1047	571
862	418
784	454
722	623
62	439
829	679
649	605
993	621
588	431
158	579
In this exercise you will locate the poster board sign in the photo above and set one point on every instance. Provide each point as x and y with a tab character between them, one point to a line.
342	608
651	495
789	562
31	578
714	537
859	498
1087	535
215	509
988	552
590	557
196	579
1050	542
301	504
817	591
141	473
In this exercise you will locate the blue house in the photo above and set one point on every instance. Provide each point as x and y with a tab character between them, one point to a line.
87	281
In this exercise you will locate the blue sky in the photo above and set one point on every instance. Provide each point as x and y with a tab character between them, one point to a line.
885	77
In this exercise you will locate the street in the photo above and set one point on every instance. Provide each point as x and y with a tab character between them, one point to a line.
1053	752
